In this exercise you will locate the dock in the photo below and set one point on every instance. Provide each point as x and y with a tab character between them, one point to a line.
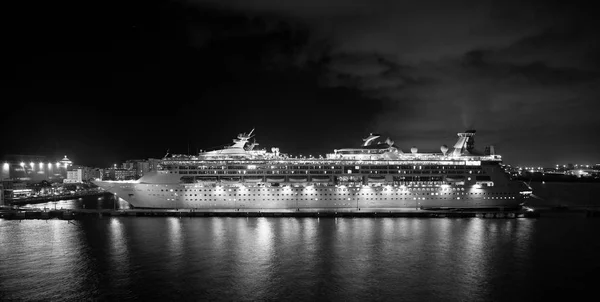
95	213
53	198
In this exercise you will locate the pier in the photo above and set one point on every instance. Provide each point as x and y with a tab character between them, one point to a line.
53	198
95	213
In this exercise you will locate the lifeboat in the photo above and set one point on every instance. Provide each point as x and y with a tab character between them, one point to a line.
230	179
253	179
275	179
206	179
321	179
455	178
376	179
298	179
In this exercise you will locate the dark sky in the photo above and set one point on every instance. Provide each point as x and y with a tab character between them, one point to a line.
108	81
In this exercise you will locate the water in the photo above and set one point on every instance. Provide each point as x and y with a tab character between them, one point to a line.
344	259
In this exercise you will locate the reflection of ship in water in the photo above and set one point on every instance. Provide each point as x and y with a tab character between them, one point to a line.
373	175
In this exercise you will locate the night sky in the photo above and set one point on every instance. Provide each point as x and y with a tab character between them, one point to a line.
108	81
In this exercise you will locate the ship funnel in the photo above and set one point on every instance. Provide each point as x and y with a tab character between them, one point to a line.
465	143
489	150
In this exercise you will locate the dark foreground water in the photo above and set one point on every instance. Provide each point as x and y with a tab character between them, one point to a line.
344	259
301	259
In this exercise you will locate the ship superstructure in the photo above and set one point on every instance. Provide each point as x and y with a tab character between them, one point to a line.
375	175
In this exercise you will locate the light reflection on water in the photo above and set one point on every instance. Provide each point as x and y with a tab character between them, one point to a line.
146	258
119	257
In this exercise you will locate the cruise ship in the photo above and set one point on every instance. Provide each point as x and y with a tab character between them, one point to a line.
374	175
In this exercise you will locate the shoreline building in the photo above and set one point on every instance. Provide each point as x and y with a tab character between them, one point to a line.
74	176
139	166
33	168
82	174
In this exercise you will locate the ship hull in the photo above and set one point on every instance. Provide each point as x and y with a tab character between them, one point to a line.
317	198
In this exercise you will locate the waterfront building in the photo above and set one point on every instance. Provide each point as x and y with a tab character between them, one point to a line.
31	168
15	189
124	174
117	174
74	176
88	173
1	194
153	164
139	166
66	162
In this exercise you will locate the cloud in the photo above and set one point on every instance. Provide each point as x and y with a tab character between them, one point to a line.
513	69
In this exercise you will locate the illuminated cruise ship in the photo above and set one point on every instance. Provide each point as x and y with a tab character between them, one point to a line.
372	176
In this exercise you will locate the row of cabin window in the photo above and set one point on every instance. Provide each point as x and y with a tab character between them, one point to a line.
403	167
284	172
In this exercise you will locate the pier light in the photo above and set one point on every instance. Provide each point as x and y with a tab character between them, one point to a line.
5	165
22	164
49	165
41	165
57	164
31	164
476	186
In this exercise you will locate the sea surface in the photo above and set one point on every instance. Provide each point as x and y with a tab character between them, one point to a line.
298	259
